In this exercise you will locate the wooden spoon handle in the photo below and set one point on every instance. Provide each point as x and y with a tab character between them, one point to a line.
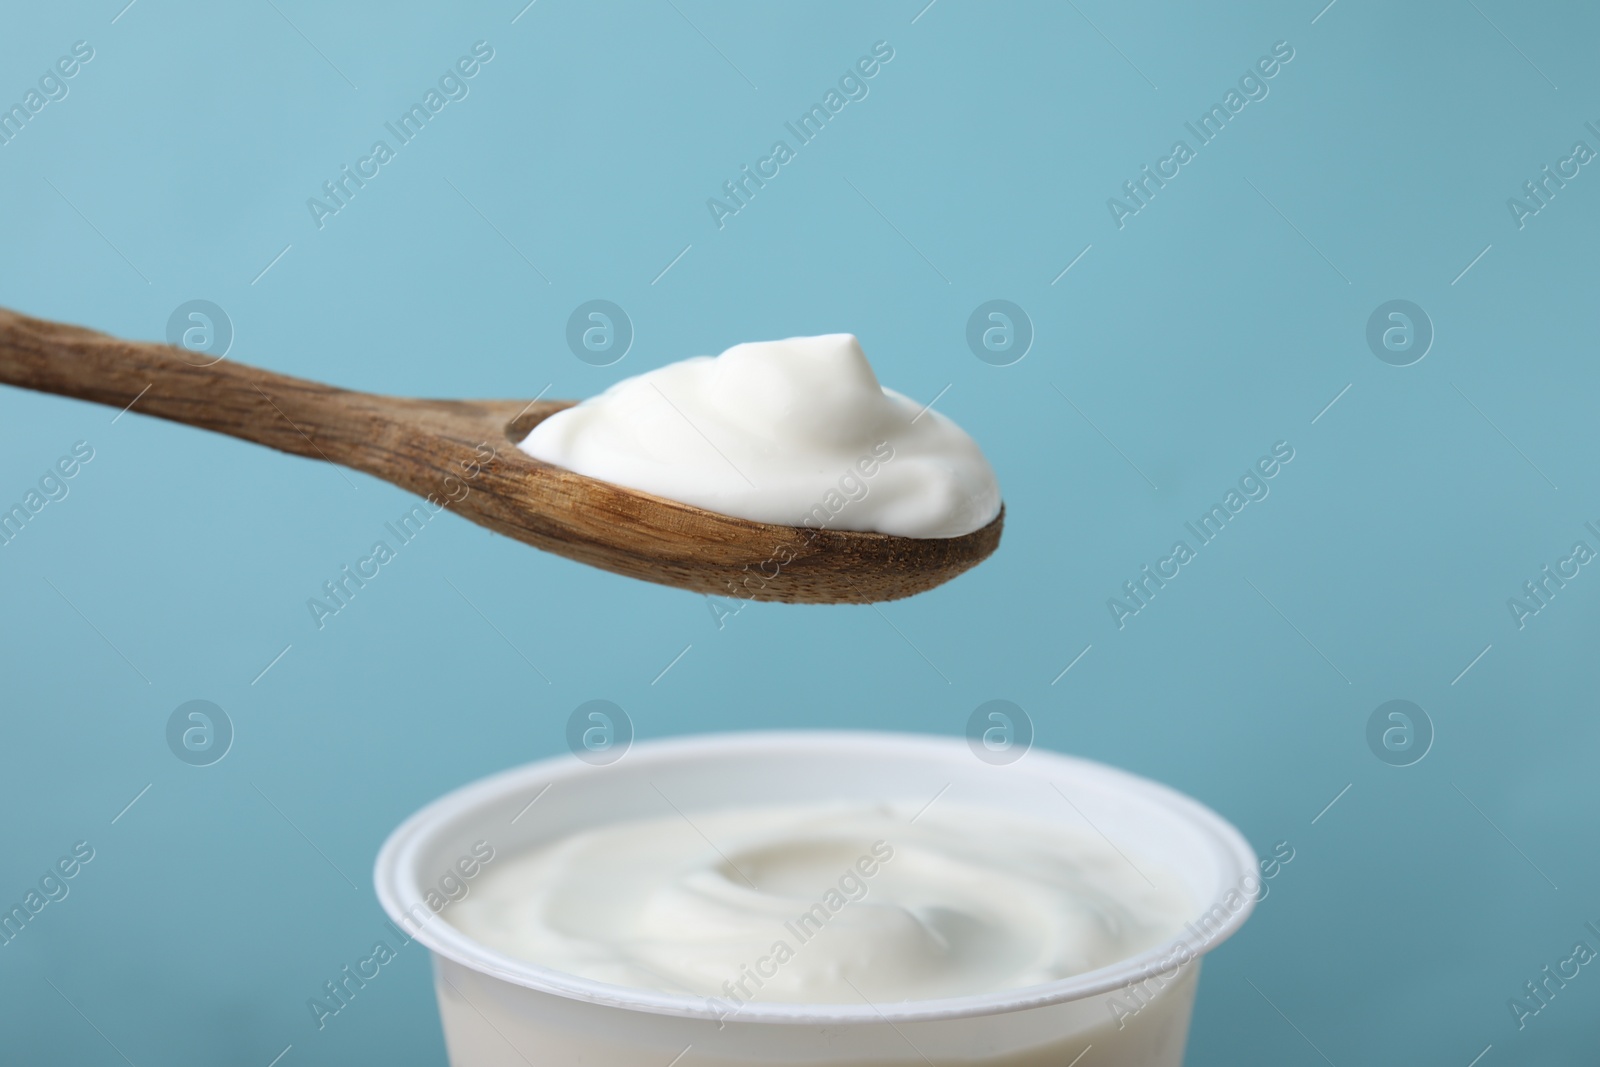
257	405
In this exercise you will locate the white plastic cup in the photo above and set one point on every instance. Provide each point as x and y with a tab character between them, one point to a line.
503	1012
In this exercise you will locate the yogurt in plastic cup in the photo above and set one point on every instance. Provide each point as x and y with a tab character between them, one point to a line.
499	1011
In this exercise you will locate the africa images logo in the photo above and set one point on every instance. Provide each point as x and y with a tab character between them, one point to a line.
1252	87
852	86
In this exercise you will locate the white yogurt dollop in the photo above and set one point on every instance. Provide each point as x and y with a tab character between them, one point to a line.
795	432
825	904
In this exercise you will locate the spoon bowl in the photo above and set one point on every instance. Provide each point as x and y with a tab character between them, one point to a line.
463	455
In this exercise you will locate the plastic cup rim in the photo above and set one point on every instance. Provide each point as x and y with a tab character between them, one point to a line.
394	869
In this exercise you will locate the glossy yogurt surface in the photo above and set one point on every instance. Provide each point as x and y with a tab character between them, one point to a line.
825	904
796	432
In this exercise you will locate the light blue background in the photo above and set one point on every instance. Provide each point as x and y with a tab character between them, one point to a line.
1207	329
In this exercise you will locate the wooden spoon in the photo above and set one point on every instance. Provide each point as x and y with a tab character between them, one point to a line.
462	454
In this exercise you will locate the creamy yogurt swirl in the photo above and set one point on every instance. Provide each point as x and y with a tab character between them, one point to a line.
795	432
825	904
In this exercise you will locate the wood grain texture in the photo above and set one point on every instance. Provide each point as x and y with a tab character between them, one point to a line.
462	454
